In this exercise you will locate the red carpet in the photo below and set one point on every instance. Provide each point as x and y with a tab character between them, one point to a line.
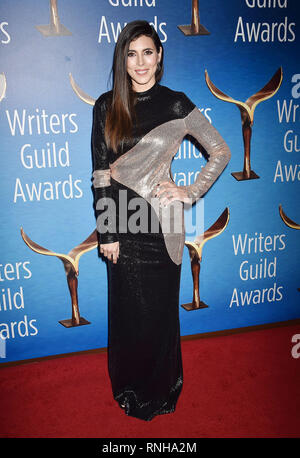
242	385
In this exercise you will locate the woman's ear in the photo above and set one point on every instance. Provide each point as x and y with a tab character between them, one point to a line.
159	53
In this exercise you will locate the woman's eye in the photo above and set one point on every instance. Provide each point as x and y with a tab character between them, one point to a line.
131	54
148	52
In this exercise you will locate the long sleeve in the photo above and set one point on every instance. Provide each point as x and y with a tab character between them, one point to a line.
104	208
219	153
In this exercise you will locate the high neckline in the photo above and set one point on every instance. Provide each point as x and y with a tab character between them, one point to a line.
148	92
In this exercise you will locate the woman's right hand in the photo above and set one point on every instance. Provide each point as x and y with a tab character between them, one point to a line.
110	250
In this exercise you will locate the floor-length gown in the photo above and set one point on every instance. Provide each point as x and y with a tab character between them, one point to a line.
144	352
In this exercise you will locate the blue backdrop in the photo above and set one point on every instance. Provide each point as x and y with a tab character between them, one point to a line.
249	273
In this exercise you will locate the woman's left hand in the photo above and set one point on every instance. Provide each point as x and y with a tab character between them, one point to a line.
167	192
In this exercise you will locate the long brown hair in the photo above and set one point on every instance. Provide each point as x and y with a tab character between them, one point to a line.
118	126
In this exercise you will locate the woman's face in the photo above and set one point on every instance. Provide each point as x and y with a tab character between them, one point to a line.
142	60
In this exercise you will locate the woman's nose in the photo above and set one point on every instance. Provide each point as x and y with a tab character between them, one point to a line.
140	59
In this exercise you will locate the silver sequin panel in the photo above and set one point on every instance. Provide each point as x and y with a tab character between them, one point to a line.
101	178
149	161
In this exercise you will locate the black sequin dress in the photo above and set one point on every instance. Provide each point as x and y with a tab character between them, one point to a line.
144	352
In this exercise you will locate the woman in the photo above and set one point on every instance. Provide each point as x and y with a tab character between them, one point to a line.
137	129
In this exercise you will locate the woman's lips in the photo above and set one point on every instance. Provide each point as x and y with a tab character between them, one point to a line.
141	72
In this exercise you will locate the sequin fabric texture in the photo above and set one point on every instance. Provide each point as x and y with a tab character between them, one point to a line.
144	353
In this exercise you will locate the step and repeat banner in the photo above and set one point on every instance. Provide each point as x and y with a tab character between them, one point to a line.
238	62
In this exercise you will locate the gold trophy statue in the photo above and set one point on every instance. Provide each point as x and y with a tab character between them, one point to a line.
55	28
288	221
247	116
195	28
2	86
195	252
70	262
80	93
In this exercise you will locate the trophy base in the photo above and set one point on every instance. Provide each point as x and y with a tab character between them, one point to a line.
192	306
50	31
188	30
241	176
69	323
